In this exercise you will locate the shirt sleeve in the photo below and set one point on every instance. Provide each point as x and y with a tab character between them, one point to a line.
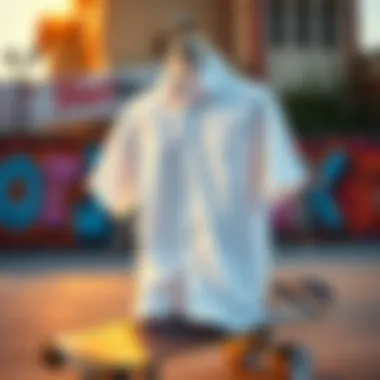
285	171
112	181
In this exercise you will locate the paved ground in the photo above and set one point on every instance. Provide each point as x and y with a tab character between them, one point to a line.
40	296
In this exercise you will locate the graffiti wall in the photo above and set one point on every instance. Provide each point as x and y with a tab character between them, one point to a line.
343	200
43	202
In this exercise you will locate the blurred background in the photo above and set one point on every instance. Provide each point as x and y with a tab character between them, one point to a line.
66	66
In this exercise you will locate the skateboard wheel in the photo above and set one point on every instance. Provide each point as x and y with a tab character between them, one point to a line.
301	366
244	356
52	357
283	362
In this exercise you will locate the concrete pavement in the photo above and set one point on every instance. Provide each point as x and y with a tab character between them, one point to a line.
43	295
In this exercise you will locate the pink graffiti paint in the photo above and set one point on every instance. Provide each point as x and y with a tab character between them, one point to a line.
61	172
284	217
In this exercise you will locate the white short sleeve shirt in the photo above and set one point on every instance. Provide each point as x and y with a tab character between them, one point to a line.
205	242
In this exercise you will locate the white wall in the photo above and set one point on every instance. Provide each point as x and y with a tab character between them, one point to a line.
292	68
311	65
369	13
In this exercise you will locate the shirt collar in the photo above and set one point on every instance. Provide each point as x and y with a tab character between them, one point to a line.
215	76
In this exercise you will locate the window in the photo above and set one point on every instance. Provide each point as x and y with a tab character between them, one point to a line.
329	22
303	13
277	22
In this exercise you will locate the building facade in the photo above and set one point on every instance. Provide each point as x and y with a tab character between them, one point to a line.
293	43
309	43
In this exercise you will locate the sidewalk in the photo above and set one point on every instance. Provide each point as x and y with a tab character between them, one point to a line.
41	295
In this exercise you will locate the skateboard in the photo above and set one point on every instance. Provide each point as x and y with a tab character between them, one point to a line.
117	350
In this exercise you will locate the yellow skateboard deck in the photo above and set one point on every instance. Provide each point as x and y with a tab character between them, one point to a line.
115	345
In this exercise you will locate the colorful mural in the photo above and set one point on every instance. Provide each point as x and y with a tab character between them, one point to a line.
343	200
43	202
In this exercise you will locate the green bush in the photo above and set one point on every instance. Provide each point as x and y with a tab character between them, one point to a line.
315	112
